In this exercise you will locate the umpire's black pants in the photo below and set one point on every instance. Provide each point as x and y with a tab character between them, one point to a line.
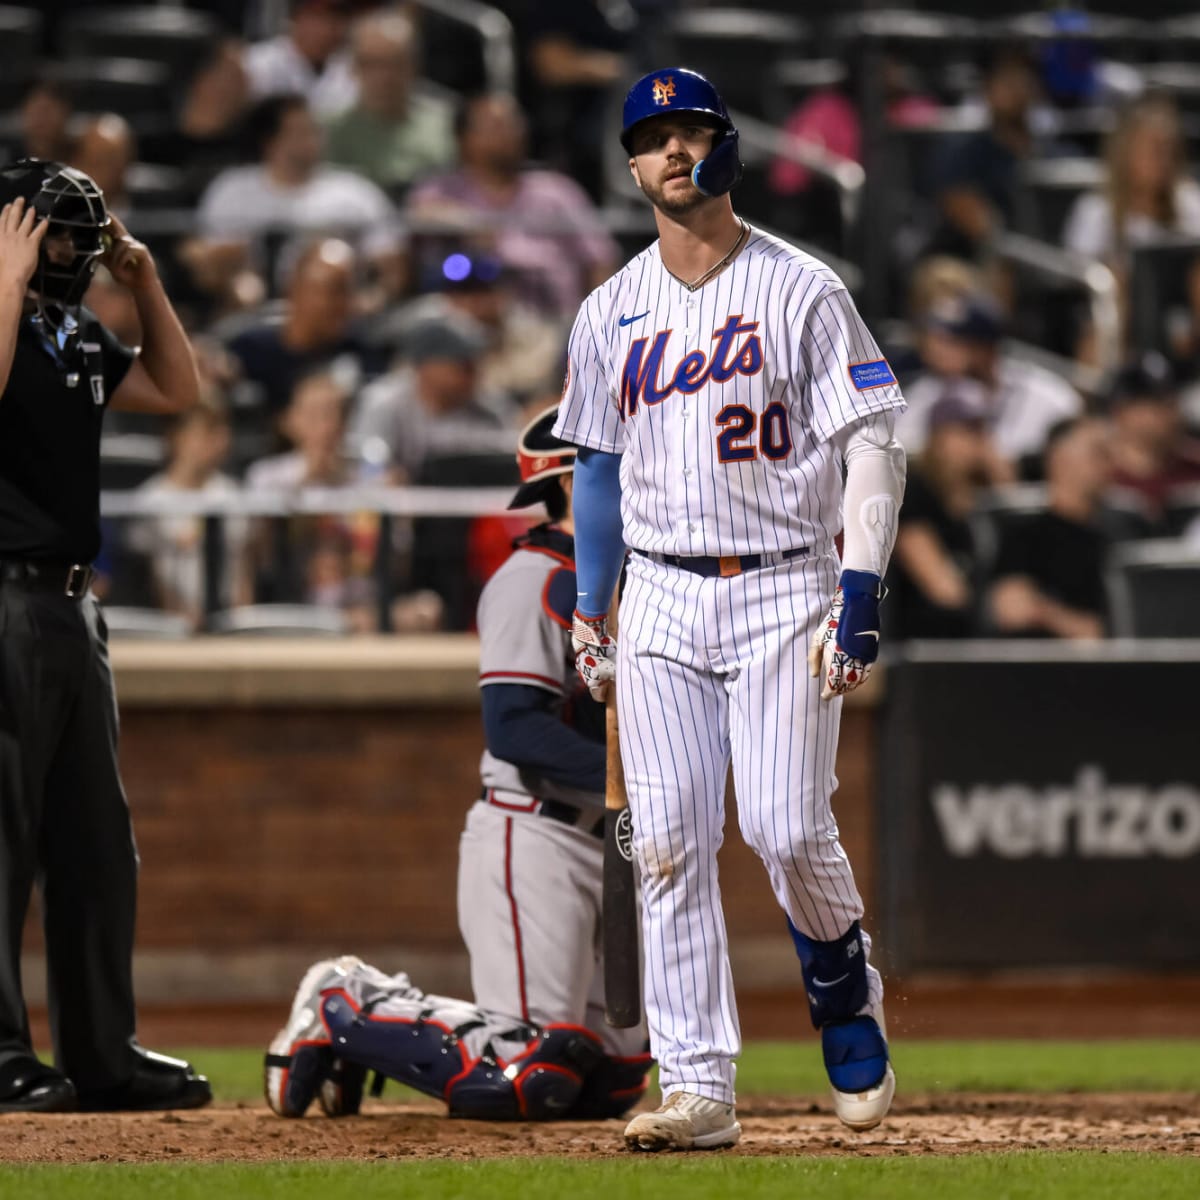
64	823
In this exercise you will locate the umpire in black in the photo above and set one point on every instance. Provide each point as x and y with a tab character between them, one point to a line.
64	822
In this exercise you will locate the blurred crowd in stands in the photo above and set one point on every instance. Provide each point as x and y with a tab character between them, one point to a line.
378	221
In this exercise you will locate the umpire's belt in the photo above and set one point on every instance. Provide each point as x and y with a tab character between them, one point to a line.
724	565
64	579
584	819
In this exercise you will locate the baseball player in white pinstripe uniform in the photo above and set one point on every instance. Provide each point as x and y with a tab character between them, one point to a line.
717	386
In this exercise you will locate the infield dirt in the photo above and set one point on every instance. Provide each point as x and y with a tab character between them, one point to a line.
932	1125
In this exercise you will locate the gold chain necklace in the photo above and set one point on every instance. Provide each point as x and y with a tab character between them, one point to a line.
701	280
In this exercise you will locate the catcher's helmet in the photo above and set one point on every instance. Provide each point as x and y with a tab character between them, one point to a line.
676	90
74	205
542	458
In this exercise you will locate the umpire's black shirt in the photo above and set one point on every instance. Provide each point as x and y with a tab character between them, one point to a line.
50	418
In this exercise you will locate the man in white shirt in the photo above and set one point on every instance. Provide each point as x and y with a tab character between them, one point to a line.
310	58
290	191
961	339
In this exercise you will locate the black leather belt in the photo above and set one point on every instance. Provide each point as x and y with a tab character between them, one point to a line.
552	810
64	579
724	565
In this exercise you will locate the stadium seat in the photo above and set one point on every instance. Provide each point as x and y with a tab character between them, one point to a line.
738	49
178	38
1182	507
1052	186
128	459
280	620
440	544
126	621
140	91
20	42
1154	590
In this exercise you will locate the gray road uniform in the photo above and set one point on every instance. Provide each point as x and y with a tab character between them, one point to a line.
531	856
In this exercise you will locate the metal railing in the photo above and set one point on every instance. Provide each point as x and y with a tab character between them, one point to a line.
389	505
494	30
846	175
1065	266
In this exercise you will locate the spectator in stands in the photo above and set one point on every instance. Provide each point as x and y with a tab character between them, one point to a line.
540	224
1153	454
310	59
318	327
577	55
289	192
1049	571
1147	193
105	149
44	120
978	173
524	354
395	132
828	118
432	405
934	575
198	444
960	337
314	424
325	559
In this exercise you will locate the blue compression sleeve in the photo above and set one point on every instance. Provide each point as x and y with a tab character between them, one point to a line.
599	542
521	728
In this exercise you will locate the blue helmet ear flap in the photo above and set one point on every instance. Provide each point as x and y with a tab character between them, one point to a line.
721	168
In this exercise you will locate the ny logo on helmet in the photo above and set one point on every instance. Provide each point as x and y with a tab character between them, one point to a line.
664	90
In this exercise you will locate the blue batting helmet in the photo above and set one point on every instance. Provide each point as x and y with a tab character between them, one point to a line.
680	90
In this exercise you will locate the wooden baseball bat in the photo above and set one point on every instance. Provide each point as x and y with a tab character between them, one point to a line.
622	962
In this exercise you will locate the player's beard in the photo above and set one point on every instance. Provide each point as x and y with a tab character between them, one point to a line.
681	201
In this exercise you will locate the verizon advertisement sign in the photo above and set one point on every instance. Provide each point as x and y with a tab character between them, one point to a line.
1041	813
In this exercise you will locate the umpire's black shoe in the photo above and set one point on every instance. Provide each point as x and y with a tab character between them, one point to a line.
29	1086
158	1083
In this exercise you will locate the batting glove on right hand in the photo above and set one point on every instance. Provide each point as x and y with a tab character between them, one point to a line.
595	654
846	643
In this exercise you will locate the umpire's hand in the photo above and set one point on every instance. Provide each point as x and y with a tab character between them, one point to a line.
21	235
128	261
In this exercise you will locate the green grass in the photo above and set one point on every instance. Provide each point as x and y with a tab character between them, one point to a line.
1029	1175
794	1068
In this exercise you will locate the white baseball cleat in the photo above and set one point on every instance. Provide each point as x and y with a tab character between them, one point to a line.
299	1057
684	1122
864	1110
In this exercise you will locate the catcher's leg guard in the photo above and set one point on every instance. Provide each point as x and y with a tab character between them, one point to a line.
544	1081
425	1055
341	1092
540	1083
299	1056
613	1088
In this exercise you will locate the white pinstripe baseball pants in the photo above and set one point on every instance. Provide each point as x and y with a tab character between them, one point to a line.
713	671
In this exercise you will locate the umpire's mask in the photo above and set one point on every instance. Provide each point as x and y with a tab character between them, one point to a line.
78	232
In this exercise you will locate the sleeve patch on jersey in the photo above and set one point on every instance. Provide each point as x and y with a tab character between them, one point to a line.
558	596
866	375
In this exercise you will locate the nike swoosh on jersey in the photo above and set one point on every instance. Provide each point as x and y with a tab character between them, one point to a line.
623	321
828	983
870	633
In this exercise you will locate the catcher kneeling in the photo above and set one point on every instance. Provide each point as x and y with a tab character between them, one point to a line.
349	1018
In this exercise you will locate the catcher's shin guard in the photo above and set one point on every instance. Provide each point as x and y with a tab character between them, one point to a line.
341	1092
540	1083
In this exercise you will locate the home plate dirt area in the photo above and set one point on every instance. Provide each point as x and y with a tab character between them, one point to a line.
933	1125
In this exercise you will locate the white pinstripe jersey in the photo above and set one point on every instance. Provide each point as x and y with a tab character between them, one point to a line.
723	401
